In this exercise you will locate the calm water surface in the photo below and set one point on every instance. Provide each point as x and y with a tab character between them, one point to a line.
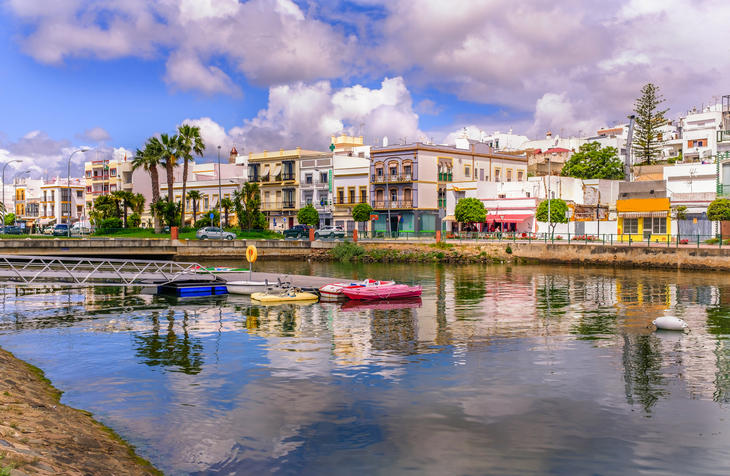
498	370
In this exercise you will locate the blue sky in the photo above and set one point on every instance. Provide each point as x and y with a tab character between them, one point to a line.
267	74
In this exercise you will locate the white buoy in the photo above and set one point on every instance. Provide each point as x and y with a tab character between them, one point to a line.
670	323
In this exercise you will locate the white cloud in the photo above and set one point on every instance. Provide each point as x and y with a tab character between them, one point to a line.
95	134
556	113
185	72
306	115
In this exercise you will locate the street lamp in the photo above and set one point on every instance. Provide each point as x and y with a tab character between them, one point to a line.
15	192
219	192
5	210
68	185
549	180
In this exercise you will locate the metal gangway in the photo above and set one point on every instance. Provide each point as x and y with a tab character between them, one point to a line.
96	271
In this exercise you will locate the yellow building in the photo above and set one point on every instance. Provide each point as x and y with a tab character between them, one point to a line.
277	174
640	219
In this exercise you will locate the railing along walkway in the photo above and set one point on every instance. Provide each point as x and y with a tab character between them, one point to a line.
65	270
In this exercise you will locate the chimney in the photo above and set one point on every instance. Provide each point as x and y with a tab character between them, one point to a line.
549	135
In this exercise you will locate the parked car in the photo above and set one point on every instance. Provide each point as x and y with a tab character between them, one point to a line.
214	233
80	230
48	230
330	232
297	231
13	230
60	230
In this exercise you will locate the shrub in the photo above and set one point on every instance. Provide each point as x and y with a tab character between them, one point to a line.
684	241
134	220
441	245
508	250
113	222
347	250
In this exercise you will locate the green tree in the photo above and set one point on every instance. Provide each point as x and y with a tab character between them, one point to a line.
594	162
308	216
137	202
206	221
361	212
169	212
226	204
195	196
558	209
123	199
106	206
190	142
719	210
247	203
9	218
470	210
648	141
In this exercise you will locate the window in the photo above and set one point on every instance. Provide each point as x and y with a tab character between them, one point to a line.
393	170
509	175
497	175
393	195
351	194
88	189
467	171
481	175
407	170
340	195
502	195
88	174
78	209
205	203
324	177
308	179
79	194
519	176
363	195
379	172
631	226
114	172
655	225
308	199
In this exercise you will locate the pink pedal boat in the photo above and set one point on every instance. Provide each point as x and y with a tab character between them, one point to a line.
333	291
370	293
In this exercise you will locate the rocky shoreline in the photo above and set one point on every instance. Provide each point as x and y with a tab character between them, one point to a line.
40	436
424	253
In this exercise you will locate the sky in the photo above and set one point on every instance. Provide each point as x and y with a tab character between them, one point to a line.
269	74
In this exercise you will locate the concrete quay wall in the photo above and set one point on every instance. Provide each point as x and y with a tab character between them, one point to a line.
159	249
625	256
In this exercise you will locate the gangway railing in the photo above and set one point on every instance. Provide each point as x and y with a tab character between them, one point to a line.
69	270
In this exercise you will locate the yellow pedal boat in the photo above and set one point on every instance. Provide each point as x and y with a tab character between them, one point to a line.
289	296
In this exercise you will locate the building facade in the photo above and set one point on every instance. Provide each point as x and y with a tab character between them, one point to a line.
62	202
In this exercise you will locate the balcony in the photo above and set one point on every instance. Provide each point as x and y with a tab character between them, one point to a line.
444	176
316	184
350	201
392	204
271	206
265	178
287	176
254	179
723	136
723	190
374	178
288	204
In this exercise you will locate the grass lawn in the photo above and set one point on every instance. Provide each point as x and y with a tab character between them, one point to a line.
142	233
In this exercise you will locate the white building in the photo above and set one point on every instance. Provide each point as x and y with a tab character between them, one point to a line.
503	142
56	206
699	133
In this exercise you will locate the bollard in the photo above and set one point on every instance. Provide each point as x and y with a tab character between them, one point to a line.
311	234
438	236
354	236
173	233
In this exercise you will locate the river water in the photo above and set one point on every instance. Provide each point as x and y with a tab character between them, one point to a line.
498	370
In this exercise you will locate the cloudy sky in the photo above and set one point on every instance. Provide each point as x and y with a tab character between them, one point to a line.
270	74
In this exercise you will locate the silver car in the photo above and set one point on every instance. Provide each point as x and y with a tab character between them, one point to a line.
214	233
330	231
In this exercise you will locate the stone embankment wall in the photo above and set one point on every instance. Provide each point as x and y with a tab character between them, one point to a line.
40	436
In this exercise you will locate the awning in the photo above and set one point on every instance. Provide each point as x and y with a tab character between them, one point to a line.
509	218
266	169
277	170
449	218
643	214
46	221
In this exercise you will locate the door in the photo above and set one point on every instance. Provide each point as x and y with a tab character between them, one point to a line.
394	225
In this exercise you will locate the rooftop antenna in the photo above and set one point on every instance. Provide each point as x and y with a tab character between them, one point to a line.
404	139
431	140
361	126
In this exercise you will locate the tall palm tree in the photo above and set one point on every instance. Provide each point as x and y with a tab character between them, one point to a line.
149	160
170	154
195	196
227	204
123	198
190	142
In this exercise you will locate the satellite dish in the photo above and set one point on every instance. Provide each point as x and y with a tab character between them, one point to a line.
557	141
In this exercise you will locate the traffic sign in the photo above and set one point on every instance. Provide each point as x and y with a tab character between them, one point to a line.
211	216
374	217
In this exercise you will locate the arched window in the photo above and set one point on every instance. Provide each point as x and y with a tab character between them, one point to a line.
509	175
519	176
393	194
408	169
407	196
379	195
393	169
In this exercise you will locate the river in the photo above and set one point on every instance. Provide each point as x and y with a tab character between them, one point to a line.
498	370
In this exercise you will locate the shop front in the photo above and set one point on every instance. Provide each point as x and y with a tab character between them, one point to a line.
643	219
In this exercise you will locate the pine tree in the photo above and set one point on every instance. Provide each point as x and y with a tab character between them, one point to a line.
648	142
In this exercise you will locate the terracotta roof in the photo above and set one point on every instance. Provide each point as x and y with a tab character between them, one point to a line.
557	150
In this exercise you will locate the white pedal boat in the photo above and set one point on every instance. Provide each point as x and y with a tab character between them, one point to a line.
247	287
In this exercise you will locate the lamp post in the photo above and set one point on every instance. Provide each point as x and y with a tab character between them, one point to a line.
68	185
15	192
219	193
5	210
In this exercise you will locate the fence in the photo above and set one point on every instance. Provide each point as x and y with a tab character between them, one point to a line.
598	239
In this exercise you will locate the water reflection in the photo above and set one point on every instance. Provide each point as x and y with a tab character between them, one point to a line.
496	370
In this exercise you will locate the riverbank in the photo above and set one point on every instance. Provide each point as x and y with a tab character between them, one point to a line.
40	436
706	258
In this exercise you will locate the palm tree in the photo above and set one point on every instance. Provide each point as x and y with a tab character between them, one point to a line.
226	204
124	197
148	160
170	153
137	203
194	195
190	141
